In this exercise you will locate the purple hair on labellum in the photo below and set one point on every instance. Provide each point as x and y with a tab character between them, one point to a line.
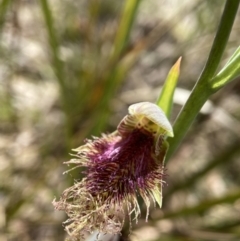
119	167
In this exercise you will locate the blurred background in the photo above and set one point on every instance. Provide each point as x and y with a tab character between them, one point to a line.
69	70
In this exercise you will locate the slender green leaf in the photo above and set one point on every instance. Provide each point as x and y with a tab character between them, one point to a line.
229	72
165	99
237	52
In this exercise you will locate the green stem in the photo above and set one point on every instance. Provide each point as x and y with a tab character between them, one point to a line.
202	90
221	39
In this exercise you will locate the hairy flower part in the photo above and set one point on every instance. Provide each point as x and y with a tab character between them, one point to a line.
119	167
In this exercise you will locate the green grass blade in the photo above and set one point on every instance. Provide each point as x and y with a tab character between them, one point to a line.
58	69
57	64
125	26
165	99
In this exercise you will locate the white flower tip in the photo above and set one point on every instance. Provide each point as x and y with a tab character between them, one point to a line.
154	113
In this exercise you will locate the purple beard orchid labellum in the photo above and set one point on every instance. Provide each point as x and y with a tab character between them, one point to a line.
119	167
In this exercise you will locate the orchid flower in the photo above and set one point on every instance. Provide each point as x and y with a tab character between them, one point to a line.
119	167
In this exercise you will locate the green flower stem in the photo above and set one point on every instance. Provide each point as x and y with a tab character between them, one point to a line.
202	89
228	198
